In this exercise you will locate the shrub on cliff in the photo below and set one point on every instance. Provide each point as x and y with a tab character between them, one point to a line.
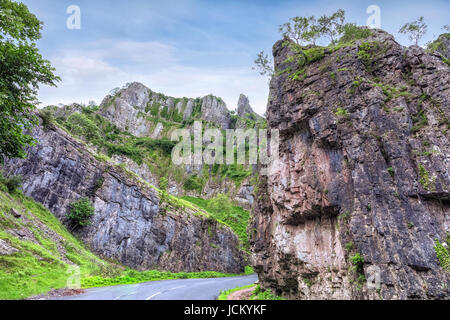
80	124
442	253
353	32
12	183
219	203
80	212
47	118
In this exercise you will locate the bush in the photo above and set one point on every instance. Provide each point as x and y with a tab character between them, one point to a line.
80	124
442	254
128	150
80	212
353	32
12	183
194	183
259	294
358	262
47	118
220	203
340	112
249	270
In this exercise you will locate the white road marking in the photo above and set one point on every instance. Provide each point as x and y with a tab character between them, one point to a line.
177	288
154	295
117	298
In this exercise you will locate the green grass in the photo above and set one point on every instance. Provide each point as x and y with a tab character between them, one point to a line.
132	277
38	266
233	216
340	112
259	294
224	294
443	254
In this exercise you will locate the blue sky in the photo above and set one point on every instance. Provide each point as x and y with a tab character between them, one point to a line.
188	47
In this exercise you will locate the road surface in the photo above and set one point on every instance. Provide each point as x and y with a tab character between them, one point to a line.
181	289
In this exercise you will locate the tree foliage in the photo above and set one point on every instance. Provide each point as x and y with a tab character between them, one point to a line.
300	31
264	64
332	26
80	212
415	29
22	70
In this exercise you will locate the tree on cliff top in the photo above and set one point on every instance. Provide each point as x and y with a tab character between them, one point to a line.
415	29
332	26
22	69
303	30
300	29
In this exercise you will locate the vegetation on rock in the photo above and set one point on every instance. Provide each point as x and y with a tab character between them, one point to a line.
22	69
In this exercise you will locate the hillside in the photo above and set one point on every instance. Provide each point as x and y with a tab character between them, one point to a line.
134	127
36	250
134	222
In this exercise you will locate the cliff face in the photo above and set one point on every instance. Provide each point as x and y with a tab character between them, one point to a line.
441	46
131	224
142	113
364	171
129	107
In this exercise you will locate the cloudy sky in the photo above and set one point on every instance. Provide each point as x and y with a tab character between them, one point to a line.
188	48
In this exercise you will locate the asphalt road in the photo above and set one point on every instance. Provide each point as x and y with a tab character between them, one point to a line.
181	289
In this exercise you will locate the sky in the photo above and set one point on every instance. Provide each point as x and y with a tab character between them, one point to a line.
188	48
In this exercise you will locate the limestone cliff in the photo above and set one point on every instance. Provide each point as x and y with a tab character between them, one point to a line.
131	224
363	181
139	112
129	108
441	46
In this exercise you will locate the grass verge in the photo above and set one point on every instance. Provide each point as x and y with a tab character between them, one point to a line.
224	294
258	293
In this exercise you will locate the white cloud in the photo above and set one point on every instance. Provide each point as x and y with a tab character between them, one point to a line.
91	73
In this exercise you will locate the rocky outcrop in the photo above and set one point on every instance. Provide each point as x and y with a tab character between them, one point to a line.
215	110
130	107
246	117
244	109
123	109
441	45
364	171
131	224
6	249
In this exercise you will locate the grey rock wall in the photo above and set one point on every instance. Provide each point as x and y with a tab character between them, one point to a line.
129	224
364	169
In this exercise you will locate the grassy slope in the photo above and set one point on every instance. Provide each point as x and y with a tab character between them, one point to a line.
156	154
47	250
237	218
39	264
